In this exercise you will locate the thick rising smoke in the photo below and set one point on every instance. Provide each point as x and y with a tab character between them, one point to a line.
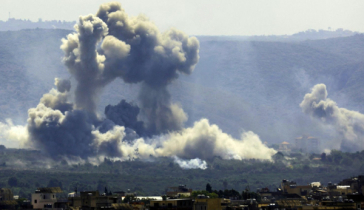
84	62
191	164
63	85
349	124
125	114
69	134
113	45
132	48
155	59
58	99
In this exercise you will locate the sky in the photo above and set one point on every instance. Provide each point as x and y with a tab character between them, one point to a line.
209	17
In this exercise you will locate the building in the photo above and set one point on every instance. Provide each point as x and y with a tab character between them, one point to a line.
307	144
45	197
292	188
204	203
339	190
284	147
181	190
6	194
92	200
169	204
6	199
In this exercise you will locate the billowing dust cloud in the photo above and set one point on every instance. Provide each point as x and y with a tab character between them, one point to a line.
349	124
133	49
111	45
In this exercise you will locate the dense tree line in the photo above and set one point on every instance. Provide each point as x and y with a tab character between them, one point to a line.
225	177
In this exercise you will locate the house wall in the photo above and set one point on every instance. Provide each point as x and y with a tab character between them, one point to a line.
211	204
40	199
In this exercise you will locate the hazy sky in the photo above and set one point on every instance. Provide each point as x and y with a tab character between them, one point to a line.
209	17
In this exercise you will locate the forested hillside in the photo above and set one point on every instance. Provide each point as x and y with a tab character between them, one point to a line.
25	170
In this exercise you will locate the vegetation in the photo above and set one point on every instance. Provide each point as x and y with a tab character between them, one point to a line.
153	177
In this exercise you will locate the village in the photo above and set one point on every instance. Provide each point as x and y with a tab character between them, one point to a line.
347	194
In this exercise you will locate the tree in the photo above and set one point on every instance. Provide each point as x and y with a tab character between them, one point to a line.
323	156
194	194
225	183
101	185
2	184
79	186
306	167
13	181
337	156
129	198
54	183
208	188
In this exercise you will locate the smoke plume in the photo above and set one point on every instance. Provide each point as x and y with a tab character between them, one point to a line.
132	48
191	164
155	59
205	141
58	99
125	114
112	45
17	135
63	85
349	124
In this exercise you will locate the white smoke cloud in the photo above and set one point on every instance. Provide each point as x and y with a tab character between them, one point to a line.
203	141
13	134
206	141
191	164
349	124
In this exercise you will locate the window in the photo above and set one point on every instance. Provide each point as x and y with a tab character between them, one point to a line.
43	196
35	201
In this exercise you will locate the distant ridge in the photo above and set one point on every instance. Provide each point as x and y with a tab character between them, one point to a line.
13	24
310	34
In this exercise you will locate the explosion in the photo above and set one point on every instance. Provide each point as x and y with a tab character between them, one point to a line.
111	45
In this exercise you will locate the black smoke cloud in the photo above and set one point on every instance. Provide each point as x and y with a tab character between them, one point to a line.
349	124
57	128
59	134
125	114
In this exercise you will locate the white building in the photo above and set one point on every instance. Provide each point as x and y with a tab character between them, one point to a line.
45	198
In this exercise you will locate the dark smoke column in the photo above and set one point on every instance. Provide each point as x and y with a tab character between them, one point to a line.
155	60
83	61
